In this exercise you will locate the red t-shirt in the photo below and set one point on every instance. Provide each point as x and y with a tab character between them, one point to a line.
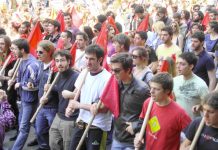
164	126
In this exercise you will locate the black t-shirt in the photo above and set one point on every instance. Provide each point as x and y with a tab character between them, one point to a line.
208	139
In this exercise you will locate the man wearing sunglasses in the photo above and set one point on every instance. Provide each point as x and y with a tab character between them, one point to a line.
132	92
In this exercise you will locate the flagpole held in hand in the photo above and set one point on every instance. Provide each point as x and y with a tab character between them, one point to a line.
45	95
5	64
142	131
197	134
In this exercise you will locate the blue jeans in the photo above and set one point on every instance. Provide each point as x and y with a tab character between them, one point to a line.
116	145
26	113
44	120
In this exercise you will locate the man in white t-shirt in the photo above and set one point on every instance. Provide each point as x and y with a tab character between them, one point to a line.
189	89
91	91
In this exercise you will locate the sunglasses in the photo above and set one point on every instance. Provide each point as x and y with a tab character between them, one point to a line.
39	52
116	71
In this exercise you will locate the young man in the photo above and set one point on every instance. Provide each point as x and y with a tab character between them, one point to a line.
133	93
47	113
121	43
209	134
166	120
27	84
66	37
91	91
205	67
24	29
167	49
189	89
62	127
54	31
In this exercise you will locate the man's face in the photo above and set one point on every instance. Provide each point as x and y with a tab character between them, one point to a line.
111	32
212	16
165	37
16	51
160	16
42	54
23	29
62	63
183	67
196	17
64	38
210	115
45	27
51	28
81	43
195	29
119	72
196	44
2	45
157	92
138	41
92	62
67	21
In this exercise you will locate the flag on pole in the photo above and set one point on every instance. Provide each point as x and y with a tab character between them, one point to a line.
60	19
164	66
143	26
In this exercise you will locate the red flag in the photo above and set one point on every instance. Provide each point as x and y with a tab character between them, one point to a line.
34	38
164	66
73	52
60	44
205	20
76	19
174	57
112	22
110	96
60	19
144	24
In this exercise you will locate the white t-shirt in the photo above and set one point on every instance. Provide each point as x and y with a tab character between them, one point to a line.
90	93
80	60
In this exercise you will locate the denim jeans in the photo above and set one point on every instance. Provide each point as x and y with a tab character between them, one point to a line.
116	145
26	113
44	120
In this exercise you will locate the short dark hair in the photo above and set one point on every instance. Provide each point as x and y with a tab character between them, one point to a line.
214	25
162	10
2	31
101	18
143	35
66	14
55	24
211	99
63	53
168	29
164	79
22	44
98	26
95	49
27	24
190	58
187	14
198	35
122	39
124	59
84	35
139	9
7	41
142	52
200	27
69	34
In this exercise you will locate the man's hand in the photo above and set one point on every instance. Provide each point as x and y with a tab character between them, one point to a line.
17	85
196	108
10	73
72	106
43	100
129	128
2	95
2	78
30	85
137	141
93	109
46	87
67	94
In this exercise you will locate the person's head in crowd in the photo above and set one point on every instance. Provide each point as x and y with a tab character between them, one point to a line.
196	8
140	56
213	14
198	16
212	27
133	8
177	17
5	44
158	26
94	55
54	27
197	41
121	43
67	20
20	47
174	8
111	32
170	68
45	50
119	27
139	11
97	28
175	27
121	66
167	34
89	32
210	109
45	24
161	14
110	13
63	60
66	37
2	31
140	38
25	27
82	40
196	27
186	63
161	86
101	18
185	15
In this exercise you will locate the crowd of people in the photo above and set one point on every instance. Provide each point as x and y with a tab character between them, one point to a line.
159	55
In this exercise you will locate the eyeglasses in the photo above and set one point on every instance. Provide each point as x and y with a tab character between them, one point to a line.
39	52
135	56
116	71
